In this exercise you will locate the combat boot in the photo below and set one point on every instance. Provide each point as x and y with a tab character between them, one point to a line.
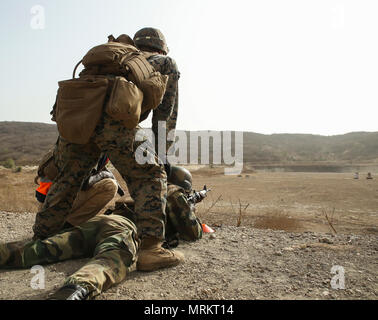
70	292
153	256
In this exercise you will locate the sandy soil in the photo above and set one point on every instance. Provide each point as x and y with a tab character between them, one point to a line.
272	241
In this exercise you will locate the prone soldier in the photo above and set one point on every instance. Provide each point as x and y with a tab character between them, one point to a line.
111	240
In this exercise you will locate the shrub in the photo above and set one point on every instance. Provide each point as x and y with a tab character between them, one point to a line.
9	163
18	169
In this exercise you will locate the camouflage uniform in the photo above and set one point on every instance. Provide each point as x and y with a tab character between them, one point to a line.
181	219
111	241
146	183
168	109
182	222
152	42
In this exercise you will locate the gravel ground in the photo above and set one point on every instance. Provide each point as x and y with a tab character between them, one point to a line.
236	263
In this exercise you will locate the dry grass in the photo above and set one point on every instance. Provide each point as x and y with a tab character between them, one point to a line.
217	212
330	218
280	201
277	220
240	213
17	190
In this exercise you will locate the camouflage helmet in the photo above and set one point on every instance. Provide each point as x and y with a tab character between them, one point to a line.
181	177
151	38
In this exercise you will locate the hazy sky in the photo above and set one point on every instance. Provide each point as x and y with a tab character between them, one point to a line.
267	66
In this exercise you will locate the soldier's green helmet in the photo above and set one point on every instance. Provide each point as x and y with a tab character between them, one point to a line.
180	177
151	38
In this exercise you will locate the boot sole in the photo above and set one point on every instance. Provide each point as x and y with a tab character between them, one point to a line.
149	268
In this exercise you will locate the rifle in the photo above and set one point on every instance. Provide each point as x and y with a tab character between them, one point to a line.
197	197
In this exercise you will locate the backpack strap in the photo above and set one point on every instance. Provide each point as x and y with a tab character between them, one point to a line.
73	74
140	68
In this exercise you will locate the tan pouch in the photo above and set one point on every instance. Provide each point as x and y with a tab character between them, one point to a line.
47	167
79	107
125	102
153	90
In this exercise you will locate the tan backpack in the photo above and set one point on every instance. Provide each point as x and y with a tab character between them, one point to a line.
116	74
124	59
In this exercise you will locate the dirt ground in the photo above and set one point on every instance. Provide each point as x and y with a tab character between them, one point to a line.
277	236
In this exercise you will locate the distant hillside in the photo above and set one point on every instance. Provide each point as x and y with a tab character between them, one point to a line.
356	146
25	142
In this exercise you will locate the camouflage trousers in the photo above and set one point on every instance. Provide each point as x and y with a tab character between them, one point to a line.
111	241
147	183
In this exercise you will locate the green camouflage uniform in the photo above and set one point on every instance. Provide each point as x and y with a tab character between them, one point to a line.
111	241
168	109
182	222
181	219
146	183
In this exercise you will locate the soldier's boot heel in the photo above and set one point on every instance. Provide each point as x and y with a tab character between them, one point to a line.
11	255
152	256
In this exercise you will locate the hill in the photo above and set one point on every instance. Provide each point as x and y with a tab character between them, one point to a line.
355	146
25	142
